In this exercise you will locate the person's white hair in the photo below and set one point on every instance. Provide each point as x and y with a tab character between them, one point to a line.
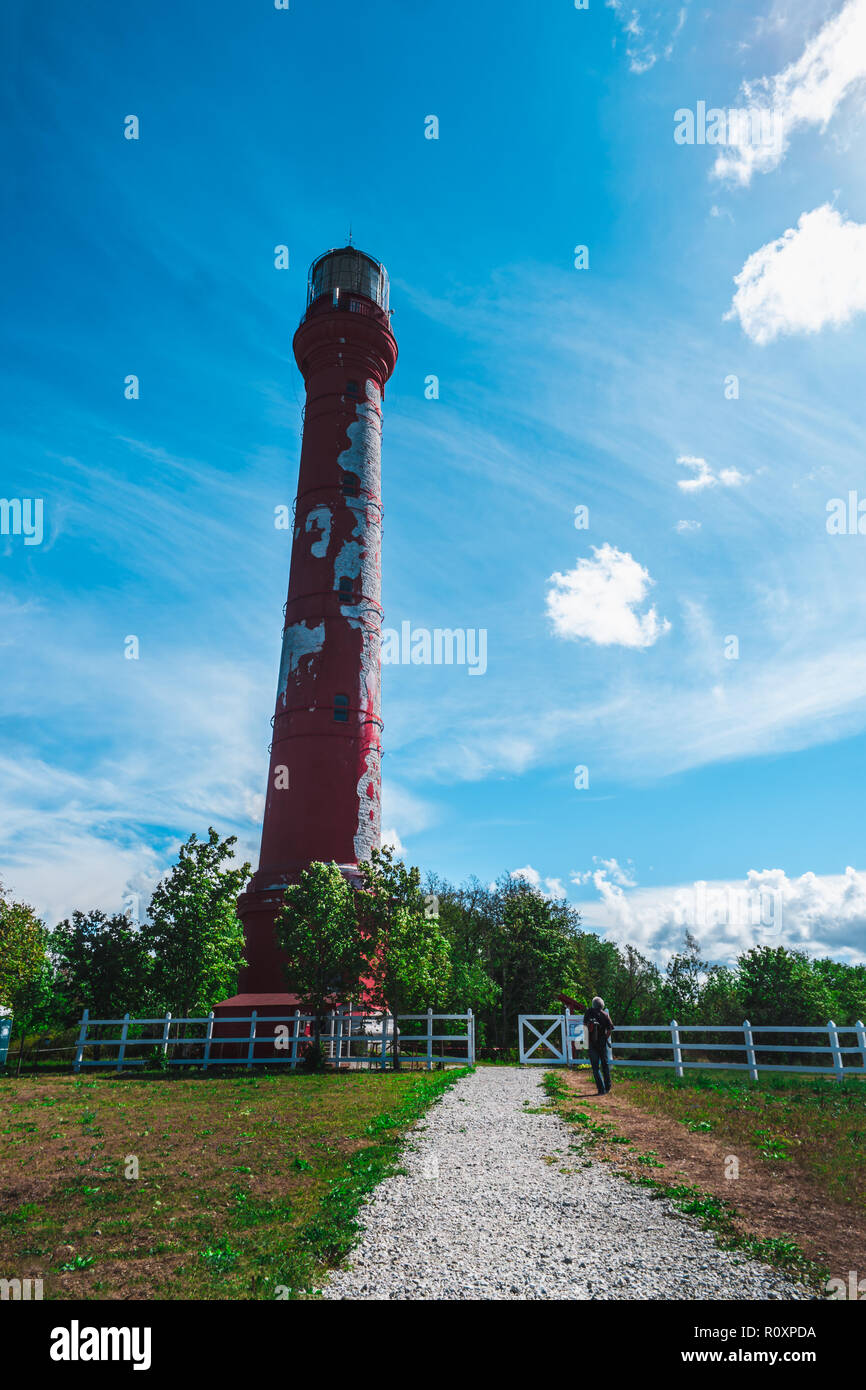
598	1002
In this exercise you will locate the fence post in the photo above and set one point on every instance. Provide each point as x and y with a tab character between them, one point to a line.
838	1064
121	1054
82	1038
861	1040
207	1040
750	1050
677	1050
563	1023
471	1031
250	1050
384	1039
295	1035
429	1039
165	1032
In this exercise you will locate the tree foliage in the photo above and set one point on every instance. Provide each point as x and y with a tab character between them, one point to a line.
23	952
319	932
193	935
101	964
407	953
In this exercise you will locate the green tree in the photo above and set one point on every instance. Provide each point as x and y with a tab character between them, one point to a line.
408	957
318	929
193	935
720	998
847	984
22	948
776	985
626	981
532	953
681	991
101	964
466	920
25	973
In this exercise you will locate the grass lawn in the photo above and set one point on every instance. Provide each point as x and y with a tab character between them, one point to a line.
811	1121
246	1187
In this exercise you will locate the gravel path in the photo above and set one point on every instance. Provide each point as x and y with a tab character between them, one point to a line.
481	1215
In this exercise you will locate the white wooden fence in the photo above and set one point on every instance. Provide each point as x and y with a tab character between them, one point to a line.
555	1040
348	1039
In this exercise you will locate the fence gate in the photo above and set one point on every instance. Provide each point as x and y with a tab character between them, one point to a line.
553	1038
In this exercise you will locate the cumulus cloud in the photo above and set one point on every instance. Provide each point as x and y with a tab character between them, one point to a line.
553	887
598	599
813	275
705	477
391	840
806	93
823	915
606	871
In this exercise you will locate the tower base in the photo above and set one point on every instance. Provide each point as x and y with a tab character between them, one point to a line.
231	1039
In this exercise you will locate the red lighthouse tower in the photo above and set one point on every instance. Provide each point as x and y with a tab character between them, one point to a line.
324	781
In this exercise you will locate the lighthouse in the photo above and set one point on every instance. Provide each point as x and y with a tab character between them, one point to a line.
324	780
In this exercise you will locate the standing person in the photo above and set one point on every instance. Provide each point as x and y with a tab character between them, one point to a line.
599	1026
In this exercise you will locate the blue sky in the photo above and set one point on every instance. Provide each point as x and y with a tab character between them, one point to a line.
559	388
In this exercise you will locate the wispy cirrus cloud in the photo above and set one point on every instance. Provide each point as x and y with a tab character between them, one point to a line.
650	33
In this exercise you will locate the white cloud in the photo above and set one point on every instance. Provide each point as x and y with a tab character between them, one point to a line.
705	477
807	92
823	915
390	839
607	870
647	33
402	808
598	598
553	887
684	526
812	276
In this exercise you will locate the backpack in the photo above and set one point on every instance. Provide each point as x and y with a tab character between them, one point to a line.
599	1029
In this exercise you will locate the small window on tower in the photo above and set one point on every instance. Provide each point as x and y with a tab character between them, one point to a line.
347	589
351	388
351	485
341	709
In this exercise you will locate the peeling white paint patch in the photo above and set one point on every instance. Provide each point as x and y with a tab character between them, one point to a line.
367	620
369	807
320	518
364	455
360	557
299	641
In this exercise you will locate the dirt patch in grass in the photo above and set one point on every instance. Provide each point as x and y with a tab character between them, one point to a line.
186	1187
772	1197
